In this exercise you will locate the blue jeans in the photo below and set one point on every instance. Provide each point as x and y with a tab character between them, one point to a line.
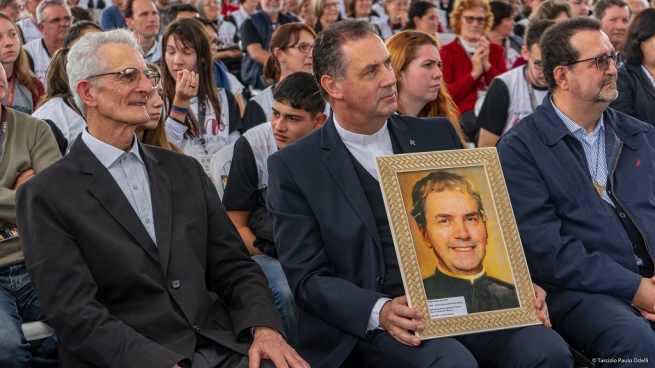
284	301
18	304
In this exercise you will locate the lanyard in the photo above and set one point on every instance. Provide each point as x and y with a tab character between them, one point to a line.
199	131
533	99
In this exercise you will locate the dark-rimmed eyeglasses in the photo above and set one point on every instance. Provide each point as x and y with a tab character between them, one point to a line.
67	19
469	19
603	61
536	62
303	47
131	75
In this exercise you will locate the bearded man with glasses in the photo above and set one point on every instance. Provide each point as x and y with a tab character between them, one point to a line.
580	177
131	252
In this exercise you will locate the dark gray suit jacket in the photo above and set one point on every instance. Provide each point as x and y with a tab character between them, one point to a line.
115	298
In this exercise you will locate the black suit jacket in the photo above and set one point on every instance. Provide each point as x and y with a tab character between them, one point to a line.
327	239
115	298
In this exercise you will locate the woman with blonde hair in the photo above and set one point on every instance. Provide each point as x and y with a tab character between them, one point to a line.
421	93
24	89
326	13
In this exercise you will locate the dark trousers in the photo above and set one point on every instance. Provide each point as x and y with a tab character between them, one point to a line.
534	346
604	326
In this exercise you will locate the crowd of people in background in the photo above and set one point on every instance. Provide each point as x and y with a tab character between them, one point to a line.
250	78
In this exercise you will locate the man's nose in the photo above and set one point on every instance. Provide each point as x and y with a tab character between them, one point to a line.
461	230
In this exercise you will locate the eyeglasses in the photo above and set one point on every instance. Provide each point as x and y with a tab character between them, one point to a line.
330	5
209	3
537	63
66	19
131	75
303	47
469	19
16	6
603	61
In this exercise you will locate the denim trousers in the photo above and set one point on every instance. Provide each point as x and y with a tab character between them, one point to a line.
284	301
18	304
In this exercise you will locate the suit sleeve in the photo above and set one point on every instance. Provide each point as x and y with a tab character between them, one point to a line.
312	275
67	292
554	257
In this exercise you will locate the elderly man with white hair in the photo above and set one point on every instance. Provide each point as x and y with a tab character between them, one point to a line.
131	252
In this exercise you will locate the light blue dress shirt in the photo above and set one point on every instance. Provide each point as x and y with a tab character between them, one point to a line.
129	171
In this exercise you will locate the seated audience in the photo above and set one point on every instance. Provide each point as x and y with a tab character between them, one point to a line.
256	33
326	13
142	17
113	16
394	19
227	32
306	15
55	20
363	10
57	104
225	45
636	80
202	118
579	176
154	273
12	8
614	15
637	6
162	7
154	131
24	89
291	47
297	110
417	65
501	32
424	17
28	147
579	8
515	94
29	26
471	62
333	237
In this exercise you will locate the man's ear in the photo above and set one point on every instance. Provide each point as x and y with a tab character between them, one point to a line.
562	77
525	53
40	26
424	234
129	22
332	87
87	93
320	120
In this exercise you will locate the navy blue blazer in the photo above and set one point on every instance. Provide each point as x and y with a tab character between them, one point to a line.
327	239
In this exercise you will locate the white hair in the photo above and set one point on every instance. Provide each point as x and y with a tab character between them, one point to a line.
84	60
46	3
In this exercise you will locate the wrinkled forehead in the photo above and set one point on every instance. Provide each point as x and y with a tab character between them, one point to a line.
119	57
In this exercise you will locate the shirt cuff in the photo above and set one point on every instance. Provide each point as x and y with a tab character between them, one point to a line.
374	319
175	131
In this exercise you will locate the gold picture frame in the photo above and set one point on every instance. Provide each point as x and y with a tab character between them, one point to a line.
400	175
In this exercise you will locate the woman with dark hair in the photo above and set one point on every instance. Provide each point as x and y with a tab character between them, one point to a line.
636	79
291	51
57	104
416	62
24	89
202	118
501	32
154	132
424	17
471	62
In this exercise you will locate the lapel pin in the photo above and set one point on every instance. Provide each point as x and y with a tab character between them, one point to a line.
412	143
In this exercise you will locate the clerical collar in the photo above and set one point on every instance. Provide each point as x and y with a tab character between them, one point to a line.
463	277
362	139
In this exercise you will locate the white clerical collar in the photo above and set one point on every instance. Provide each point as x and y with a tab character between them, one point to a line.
362	139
